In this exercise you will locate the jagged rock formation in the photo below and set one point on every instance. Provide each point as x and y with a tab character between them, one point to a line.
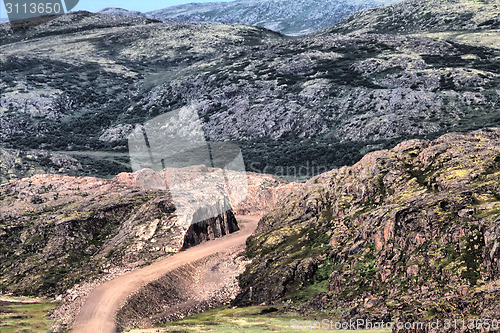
290	17
212	228
410	233
309	103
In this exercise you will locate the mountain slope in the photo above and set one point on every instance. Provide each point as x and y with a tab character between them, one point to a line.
409	234
56	231
295	106
415	16
286	16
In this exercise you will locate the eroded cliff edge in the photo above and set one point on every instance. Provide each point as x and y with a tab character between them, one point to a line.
214	227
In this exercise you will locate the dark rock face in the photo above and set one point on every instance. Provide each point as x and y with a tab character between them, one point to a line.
212	228
408	233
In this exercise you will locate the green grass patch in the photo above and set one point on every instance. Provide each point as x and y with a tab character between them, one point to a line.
309	292
19	315
250	319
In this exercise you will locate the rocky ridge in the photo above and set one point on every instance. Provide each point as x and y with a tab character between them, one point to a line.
57	231
410	234
120	12
413	16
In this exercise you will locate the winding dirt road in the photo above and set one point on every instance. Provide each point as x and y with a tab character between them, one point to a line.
98	313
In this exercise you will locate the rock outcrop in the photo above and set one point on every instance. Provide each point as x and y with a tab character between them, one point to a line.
410	233
211	228
264	192
57	231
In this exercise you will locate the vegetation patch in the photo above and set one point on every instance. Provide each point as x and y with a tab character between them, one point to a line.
25	316
249	319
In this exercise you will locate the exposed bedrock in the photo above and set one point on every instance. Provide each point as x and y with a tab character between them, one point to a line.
211	228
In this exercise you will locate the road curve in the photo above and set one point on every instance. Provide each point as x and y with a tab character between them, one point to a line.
99	311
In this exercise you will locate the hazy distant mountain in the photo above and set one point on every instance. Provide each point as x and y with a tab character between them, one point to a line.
291	17
120	12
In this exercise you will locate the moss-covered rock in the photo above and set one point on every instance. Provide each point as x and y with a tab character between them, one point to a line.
411	232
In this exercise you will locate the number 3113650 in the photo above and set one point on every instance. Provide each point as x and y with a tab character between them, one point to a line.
33	8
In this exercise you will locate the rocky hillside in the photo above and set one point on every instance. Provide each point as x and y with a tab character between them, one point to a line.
15	163
410	233
412	16
290	17
296	106
56	231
